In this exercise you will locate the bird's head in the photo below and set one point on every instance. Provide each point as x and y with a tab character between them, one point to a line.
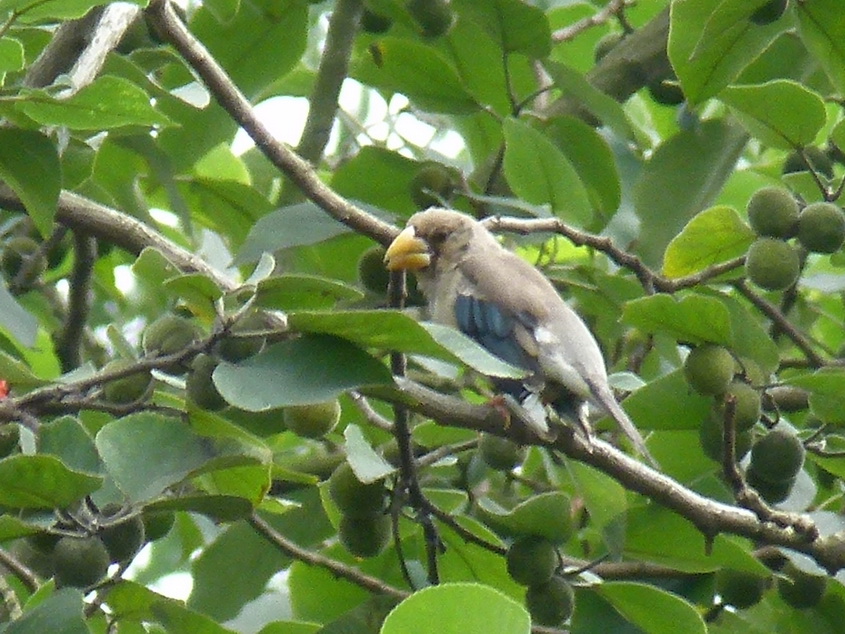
428	235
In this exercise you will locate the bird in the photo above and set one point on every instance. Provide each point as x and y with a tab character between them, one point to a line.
493	296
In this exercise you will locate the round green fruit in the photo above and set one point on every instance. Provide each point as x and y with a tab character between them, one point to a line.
769	12
157	524
747	408
532	560
821	228
772	264
499	453
170	334
36	553
800	589
314	420
816	159
711	436
372	272
740	589
353	497
550	603
709	369
432	184
80	561
778	456
18	250
773	212
666	92
237	347
129	388
124	539
364	535
771	492
375	23
434	17
200	386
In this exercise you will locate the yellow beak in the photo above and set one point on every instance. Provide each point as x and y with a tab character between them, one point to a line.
407	252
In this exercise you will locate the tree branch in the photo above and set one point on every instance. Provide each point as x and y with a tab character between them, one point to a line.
172	29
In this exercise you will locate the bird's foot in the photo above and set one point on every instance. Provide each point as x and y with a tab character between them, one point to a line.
532	417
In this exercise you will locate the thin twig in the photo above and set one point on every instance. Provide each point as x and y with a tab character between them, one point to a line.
614	7
21	571
80	297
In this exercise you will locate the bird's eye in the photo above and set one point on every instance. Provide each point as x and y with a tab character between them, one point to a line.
437	237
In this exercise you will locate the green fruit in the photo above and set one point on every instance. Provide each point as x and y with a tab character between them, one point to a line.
748	407
769	12
606	44
170	334
777	456
821	228
314	420
372	272
432	184
10	435
364	535
801	590
771	492
128	389
124	540
236	348
816	159
499	453
353	497
200	386
666	92
772	264
157	524
434	17
372	22
740	589
550	603
773	212
18	250
80	561
32	552
711	435
532	560
709	369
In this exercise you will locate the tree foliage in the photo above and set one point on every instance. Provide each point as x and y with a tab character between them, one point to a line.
171	293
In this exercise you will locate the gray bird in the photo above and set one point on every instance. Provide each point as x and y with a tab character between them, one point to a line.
509	307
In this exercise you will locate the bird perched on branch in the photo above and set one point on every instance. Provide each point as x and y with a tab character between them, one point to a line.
502	302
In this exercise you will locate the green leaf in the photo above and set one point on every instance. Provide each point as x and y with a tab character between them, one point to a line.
653	610
603	106
42	482
540	173
750	338
19	323
107	103
33	11
517	27
220	508
289	292
293	226
196	290
29	164
458	608
667	403
132	601
604	498
822	27
827	393
309	369
693	319
417	71
666	197
378	176
394	330
365	462
713	236
146	453
68	440
59	613
11	55
710	43
794	123
544	515
18	374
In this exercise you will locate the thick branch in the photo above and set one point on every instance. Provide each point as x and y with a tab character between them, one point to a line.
164	18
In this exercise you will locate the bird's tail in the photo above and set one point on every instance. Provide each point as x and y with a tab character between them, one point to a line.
606	399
